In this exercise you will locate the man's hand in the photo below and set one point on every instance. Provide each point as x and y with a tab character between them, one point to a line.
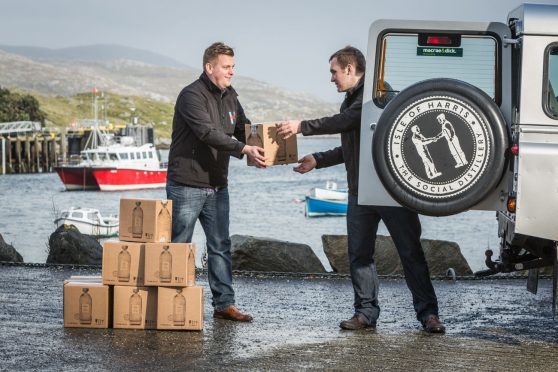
306	164
256	154
288	128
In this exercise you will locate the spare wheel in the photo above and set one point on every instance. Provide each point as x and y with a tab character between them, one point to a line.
439	146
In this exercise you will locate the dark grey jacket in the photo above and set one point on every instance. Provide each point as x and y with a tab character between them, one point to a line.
347	122
205	119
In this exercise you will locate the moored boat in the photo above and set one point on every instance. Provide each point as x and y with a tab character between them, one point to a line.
89	221
115	167
328	194
323	207
327	201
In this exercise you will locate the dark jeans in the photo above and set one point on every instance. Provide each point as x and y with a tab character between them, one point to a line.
211	207
404	228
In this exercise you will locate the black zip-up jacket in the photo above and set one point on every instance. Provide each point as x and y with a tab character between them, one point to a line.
205	119
347	122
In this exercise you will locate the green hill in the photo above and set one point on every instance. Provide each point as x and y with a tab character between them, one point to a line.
117	109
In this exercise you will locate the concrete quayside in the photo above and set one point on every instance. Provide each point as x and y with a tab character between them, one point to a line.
491	325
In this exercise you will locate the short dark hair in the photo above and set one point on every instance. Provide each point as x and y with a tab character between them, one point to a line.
214	50
351	55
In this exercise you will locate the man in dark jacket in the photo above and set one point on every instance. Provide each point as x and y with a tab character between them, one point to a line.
347	72
207	115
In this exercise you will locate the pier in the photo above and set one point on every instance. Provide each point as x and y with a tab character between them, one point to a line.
27	147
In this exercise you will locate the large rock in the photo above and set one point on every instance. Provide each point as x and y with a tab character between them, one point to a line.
8	252
260	254
68	246
440	255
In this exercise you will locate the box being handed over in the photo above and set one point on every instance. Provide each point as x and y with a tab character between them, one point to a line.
145	220
277	150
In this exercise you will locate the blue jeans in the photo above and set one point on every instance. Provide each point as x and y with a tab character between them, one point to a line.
211	207
405	230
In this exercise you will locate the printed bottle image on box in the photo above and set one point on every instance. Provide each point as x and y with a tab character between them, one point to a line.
165	265
179	309
124	261
191	266
170	264
164	222
85	307
145	220
134	317
137	221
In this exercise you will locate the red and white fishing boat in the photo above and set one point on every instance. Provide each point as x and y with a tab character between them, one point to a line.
109	163
115	167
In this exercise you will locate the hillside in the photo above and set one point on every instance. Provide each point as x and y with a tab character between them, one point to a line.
132	78
117	109
99	52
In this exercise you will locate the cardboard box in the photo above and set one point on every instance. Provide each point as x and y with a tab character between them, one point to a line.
277	150
87	304
135	307
123	263
170	264
145	220
180	308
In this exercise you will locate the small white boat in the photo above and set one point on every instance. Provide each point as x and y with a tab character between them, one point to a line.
89	221
326	202
328	194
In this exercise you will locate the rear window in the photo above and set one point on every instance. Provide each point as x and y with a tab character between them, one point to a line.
407	58
550	87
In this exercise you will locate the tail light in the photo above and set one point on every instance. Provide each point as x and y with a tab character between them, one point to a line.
511	204
514	149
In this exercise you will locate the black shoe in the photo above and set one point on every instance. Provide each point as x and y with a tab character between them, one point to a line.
358	321
433	324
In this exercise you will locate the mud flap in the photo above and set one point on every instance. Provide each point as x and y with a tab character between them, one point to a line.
533	280
554	280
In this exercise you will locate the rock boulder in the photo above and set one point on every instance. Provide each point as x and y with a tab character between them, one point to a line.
440	255
261	254
8	252
68	246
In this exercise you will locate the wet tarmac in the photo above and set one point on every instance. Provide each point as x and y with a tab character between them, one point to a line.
491	325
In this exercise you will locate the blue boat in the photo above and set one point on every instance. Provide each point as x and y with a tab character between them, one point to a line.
323	207
326	202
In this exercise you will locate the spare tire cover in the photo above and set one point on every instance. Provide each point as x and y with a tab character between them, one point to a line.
439	146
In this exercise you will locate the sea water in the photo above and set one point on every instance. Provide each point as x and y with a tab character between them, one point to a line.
265	203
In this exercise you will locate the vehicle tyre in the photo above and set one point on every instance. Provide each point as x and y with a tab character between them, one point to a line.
440	146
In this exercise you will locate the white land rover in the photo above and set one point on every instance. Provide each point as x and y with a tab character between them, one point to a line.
463	115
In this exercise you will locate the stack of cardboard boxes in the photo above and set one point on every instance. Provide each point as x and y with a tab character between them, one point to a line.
147	281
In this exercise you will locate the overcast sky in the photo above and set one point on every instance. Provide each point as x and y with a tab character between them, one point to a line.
286	42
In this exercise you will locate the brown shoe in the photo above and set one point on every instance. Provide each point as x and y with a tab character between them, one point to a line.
358	321
433	324
232	313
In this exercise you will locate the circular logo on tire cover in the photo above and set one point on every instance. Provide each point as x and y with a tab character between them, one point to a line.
438	147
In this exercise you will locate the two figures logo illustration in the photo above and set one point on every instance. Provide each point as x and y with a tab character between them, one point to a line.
448	133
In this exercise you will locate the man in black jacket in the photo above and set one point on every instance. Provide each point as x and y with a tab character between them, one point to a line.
207	115
347	72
